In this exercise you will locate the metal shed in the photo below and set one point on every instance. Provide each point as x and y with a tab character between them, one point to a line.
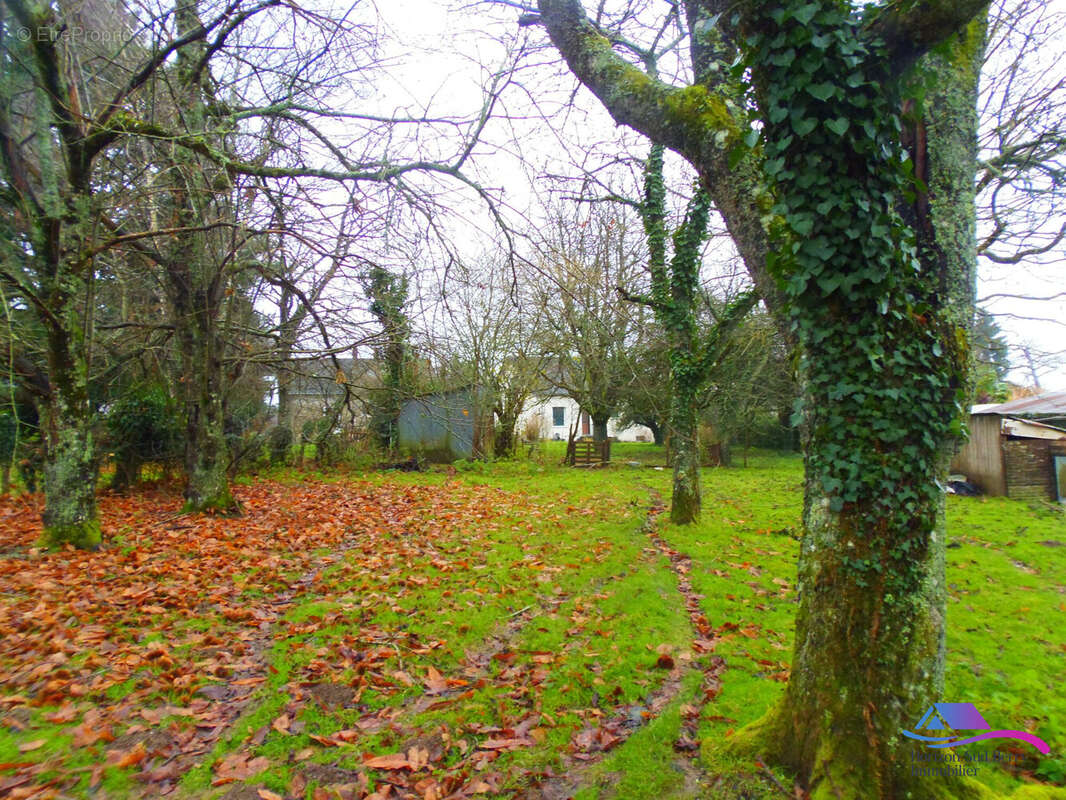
445	426
1012	453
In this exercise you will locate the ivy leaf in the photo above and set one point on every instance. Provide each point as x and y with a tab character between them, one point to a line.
820	248
736	155
804	14
751	138
823	91
838	126
802	224
822	41
773	166
783	58
804	125
830	283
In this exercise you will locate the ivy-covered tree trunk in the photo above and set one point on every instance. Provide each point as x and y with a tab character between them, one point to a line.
387	294
881	300
674	299
686	499
70	467
504	442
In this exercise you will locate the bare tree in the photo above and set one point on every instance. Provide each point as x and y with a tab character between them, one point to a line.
495	343
590	331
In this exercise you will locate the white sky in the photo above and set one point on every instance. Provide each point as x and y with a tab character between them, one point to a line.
443	55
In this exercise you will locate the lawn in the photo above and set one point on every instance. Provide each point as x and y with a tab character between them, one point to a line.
511	630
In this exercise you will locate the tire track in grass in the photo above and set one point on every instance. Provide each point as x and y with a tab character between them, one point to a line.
703	645
579	766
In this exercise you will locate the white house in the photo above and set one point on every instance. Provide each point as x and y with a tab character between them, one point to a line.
552	417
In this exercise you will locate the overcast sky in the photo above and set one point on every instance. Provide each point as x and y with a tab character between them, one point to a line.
443	56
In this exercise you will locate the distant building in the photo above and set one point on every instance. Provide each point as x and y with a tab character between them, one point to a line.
318	385
552	415
1015	451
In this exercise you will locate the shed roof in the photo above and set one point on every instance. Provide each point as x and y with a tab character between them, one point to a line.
1049	404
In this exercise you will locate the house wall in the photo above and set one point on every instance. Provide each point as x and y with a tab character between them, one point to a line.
981	458
539	412
1030	468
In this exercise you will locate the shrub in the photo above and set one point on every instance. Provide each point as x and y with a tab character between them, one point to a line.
279	442
144	425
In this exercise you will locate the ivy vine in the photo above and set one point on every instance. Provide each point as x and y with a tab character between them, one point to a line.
883	372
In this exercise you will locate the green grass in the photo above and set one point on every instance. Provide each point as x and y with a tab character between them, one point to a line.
534	589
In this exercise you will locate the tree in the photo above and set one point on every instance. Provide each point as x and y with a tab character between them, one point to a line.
753	387
647	401
387	293
675	299
992	360
496	331
209	94
143	427
590	333
868	258
8	443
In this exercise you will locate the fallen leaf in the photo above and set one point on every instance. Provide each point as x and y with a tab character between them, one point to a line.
392	761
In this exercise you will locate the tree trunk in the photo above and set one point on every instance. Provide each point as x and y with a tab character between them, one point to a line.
870	629
504	444
599	427
685	501
285	397
127	471
196	284
70	467
658	434
206	452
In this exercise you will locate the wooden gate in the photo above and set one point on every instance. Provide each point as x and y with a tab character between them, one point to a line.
589	453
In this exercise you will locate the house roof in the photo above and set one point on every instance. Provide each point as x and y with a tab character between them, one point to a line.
318	377
1049	404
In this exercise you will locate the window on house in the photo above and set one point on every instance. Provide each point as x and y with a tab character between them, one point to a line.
558	416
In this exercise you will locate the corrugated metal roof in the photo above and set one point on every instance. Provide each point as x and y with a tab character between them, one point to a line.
1043	405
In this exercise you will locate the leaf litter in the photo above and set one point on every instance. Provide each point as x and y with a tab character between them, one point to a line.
404	641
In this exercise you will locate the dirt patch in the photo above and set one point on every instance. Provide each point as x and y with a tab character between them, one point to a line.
332	696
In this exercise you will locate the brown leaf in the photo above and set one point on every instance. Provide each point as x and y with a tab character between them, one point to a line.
504	744
281	724
665	661
127	758
435	681
392	761
36	744
68	713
